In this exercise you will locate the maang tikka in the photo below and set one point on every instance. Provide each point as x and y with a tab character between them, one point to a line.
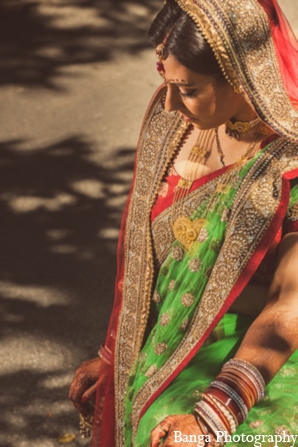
161	55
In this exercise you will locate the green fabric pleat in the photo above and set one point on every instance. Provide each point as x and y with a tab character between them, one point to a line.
180	285
278	411
293	194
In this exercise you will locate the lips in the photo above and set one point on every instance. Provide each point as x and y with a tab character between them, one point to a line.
186	118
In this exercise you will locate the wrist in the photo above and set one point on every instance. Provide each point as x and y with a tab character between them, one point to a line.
229	398
105	354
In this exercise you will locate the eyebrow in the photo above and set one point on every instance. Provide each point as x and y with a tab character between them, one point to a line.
180	84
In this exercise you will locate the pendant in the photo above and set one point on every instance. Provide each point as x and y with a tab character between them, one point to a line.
187	231
232	133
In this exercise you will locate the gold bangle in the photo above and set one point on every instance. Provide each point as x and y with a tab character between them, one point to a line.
86	424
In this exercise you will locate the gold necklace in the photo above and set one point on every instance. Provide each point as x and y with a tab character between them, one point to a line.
235	129
188	232
185	230
247	154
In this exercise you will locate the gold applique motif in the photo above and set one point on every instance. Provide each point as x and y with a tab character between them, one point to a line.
282	430
162	234
177	253
172	284
194	265
187	300
203	235
164	319
151	371
256	424
160	348
187	231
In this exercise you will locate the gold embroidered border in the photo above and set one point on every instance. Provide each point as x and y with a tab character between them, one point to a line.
239	33
162	232
253	209
161	135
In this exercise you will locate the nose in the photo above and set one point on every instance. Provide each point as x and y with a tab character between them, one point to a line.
173	100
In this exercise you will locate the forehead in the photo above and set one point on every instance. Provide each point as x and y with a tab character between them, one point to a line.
176	73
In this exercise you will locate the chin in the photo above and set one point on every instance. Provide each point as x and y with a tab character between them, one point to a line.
201	126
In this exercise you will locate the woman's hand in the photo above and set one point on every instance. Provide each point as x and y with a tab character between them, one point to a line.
84	385
173	426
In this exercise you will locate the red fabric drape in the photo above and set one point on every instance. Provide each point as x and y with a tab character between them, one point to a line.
286	47
104	415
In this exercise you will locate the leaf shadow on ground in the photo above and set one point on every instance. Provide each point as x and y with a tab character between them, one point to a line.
60	212
40	39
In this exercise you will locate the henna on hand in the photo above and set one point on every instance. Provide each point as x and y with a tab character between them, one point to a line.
173	428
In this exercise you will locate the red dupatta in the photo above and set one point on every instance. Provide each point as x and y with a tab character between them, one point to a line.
286	46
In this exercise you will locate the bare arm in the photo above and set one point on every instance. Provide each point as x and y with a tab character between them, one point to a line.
273	336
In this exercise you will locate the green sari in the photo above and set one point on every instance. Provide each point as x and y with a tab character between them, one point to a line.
182	280
163	373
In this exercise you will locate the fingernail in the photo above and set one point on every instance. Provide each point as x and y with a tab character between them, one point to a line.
84	399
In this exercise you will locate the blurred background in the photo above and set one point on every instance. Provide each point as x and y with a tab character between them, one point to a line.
75	79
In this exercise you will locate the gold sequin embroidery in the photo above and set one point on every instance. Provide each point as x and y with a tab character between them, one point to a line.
177	253
160	348
187	300
151	371
164	319
194	265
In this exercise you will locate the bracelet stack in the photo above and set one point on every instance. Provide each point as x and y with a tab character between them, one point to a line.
227	401
105	354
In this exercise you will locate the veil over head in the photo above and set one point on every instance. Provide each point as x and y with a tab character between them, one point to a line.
256	49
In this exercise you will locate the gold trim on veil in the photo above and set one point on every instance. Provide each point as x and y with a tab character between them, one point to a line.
239	34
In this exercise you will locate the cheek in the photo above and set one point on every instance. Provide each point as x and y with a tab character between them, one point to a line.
206	106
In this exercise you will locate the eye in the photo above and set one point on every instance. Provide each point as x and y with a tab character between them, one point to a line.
189	94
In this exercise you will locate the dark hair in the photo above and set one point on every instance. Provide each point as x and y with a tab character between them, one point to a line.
185	42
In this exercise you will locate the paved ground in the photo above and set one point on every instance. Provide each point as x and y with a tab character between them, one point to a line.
75	78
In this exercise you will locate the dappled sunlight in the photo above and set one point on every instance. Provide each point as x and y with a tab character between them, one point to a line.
108	233
64	177
45	417
25	204
90	188
60	217
57	380
42	355
40	39
42	296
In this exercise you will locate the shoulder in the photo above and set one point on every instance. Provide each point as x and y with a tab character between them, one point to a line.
158	126
156	120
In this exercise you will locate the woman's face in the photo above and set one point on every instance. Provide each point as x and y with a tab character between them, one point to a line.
202	99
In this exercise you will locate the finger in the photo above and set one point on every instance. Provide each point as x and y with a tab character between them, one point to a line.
89	393
86	410
156	435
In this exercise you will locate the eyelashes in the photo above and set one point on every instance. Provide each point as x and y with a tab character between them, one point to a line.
189	94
